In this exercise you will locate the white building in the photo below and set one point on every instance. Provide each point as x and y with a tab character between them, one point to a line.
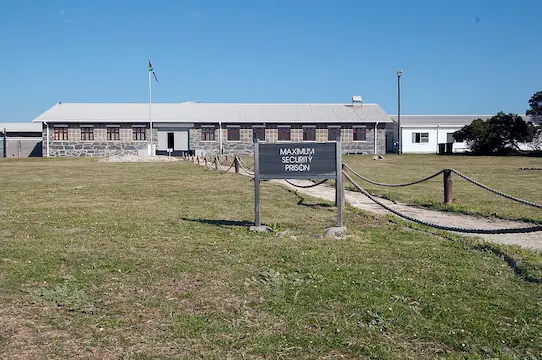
422	134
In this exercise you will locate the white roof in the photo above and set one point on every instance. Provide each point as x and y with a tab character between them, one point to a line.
191	112
434	120
20	127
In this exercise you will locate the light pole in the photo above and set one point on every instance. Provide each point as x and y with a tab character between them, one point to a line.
400	145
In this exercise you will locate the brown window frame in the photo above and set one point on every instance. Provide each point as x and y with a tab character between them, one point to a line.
309	133
139	133
258	132
233	133
60	133
87	133
208	133
281	134
359	133
333	135
113	133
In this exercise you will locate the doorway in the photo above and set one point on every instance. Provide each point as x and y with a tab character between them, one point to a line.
171	141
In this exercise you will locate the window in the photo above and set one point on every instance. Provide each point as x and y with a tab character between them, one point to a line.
61	133
207	133
258	132
450	138
284	133
233	133
139	133
113	133
309	133
359	133
420	138
333	133
87	133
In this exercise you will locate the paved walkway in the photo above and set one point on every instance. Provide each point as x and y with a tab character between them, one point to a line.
531	241
360	201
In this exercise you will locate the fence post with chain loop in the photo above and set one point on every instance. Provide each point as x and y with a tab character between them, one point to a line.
448	185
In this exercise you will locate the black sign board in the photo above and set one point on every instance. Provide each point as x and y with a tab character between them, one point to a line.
298	161
307	160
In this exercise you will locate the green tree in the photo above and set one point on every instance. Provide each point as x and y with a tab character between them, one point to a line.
495	135
535	104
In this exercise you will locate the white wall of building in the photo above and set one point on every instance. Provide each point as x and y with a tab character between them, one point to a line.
437	135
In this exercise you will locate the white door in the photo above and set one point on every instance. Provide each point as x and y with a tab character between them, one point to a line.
181	140
162	140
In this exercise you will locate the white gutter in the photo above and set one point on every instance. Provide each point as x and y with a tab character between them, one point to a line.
376	136
219	138
438	126
47	143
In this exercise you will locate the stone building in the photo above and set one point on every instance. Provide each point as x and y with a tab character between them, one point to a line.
75	129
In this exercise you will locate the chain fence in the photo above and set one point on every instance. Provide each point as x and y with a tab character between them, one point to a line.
442	227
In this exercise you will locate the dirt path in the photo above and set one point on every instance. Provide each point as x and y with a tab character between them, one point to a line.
531	241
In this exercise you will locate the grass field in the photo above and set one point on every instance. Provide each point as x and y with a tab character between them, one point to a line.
154	261
500	173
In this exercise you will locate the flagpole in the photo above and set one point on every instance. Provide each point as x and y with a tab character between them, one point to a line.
150	109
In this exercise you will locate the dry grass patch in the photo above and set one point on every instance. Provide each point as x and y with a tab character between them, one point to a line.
154	261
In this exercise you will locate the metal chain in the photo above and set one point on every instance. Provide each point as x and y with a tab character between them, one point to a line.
306	186
442	227
392	185
525	202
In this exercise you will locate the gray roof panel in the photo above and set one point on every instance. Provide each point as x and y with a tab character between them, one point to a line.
20	127
191	112
450	120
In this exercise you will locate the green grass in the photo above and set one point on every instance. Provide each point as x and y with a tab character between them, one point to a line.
154	261
500	173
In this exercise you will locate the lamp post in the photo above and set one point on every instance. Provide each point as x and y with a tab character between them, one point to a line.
400	145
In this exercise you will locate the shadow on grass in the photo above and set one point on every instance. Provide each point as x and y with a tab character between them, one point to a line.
301	202
518	259
221	223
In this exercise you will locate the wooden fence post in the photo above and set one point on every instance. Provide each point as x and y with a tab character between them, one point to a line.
236	164
448	184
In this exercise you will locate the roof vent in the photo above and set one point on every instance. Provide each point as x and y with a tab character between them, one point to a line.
356	100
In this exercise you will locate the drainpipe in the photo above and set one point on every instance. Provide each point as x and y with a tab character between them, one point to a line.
376	136
47	142
219	138
438	126
4	145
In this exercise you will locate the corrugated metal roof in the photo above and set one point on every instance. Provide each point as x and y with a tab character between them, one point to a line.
426	120
20	127
192	112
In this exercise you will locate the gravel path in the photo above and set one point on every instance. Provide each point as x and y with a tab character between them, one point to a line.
531	241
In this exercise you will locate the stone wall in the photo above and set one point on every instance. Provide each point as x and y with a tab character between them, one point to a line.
245	145
100	146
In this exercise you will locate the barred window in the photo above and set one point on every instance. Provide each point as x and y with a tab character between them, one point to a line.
258	132
333	133
87	133
139	133
61	133
233	133
208	133
309	133
359	133
113	133
283	133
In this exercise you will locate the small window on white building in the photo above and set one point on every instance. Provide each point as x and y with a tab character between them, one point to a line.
420	138
450	138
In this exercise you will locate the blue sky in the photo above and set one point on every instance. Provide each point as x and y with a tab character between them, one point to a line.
458	57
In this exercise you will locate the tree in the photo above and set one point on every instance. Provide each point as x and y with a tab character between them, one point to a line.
535	111
495	135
